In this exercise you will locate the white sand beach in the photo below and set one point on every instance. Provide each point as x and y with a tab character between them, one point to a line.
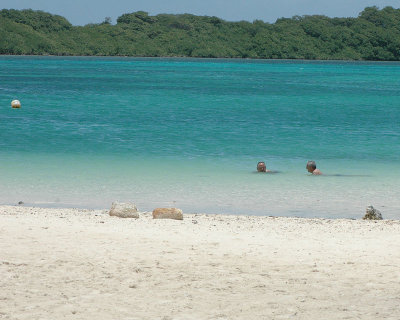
79	264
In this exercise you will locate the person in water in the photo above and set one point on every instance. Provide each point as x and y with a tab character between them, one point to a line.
261	167
312	168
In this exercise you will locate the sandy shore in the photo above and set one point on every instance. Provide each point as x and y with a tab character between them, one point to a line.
77	264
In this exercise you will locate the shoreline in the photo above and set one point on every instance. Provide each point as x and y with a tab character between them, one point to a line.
102	210
290	210
199	58
66	210
82	264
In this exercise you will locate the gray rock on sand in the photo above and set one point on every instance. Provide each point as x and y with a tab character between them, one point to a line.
168	213
372	214
124	210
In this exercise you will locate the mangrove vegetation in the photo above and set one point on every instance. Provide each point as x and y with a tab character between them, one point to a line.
373	35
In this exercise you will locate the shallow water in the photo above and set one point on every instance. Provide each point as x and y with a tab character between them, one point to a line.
189	133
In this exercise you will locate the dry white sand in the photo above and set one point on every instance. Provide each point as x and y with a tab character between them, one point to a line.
77	264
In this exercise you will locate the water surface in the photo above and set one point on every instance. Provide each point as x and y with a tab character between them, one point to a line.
189	133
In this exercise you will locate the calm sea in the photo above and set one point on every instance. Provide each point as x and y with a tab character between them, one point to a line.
188	133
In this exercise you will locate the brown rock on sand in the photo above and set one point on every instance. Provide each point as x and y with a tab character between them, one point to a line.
168	213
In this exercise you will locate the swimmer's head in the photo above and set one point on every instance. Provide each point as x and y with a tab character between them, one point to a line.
261	167
311	166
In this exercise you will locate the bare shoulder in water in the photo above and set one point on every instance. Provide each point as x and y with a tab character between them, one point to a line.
312	168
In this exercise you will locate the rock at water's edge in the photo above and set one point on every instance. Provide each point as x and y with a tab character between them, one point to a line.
372	214
124	210
168	213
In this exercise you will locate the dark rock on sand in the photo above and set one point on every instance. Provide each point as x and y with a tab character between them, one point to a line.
372	214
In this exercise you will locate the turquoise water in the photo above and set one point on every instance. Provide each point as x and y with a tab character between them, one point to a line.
189	132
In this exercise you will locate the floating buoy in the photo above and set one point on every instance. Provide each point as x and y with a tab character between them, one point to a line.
15	104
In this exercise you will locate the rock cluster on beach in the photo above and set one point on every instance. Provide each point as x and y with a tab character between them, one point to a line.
129	210
372	214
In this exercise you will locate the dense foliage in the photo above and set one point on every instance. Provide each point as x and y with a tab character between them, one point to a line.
373	35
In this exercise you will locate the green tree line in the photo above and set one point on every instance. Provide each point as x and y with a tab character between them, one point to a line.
373	35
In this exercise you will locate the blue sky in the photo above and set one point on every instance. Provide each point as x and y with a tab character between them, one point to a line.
80	12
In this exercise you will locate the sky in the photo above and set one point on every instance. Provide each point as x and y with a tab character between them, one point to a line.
81	12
